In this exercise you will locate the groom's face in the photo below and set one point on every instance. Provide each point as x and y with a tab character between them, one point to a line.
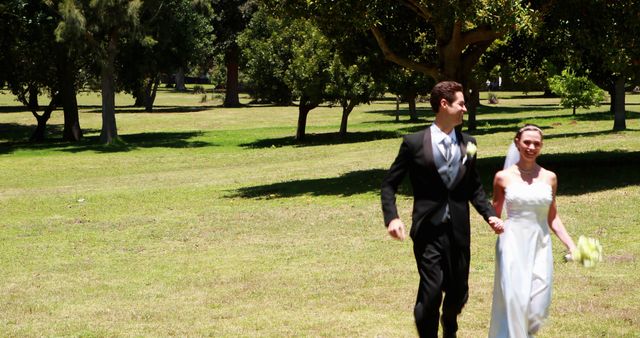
454	111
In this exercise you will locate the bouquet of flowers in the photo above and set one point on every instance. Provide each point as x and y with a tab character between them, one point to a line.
588	251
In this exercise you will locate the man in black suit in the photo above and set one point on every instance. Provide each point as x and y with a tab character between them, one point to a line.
441	164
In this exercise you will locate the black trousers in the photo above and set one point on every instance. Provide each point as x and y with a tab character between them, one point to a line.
443	268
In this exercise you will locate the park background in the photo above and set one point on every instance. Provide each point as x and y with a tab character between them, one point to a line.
213	222
241	205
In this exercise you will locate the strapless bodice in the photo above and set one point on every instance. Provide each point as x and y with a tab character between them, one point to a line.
528	203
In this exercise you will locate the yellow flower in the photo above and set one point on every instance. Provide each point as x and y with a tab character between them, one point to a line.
471	149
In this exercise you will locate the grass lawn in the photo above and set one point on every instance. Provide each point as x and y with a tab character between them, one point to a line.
212	222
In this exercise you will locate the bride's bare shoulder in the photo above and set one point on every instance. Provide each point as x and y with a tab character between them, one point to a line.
549	177
503	177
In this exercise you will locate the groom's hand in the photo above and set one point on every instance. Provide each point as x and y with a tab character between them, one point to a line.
396	229
496	224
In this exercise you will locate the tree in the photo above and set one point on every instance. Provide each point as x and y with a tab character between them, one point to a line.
231	17
351	85
289	60
308	73
450	35
407	84
267	46
177	34
575	91
33	63
599	39
100	25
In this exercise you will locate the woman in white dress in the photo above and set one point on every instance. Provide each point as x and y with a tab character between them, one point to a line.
524	262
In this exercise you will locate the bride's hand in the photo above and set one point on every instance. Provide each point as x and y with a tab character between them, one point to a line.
496	224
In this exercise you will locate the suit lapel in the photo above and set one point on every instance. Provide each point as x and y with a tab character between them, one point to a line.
427	150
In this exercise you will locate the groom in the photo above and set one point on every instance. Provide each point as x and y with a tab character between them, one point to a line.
441	164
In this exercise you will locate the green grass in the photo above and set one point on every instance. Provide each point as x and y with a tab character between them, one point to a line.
212	222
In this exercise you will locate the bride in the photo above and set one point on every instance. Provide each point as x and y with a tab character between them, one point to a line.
524	262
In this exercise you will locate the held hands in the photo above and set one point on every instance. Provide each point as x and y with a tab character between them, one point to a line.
496	224
396	229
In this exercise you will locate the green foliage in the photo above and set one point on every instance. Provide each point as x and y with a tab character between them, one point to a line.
601	38
353	83
267	49
308	73
285	59
420	34
407	83
29	55
230	18
575	91
175	34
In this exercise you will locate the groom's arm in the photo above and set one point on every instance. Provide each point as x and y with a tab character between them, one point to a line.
392	180
481	204
479	198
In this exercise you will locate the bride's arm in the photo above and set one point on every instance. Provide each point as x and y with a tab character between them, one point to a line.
555	223
498	192
495	222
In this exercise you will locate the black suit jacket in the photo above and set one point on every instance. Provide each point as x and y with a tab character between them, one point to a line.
430	194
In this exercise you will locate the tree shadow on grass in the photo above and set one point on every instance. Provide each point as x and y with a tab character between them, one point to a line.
578	174
490	126
130	142
352	183
16	132
593	171
525	108
404	113
602	116
96	109
14	109
323	139
586	134
156	109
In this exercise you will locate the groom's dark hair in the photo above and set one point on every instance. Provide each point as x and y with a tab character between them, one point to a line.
444	90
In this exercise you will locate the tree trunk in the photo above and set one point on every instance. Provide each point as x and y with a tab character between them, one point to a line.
411	98
138	95
180	80
619	122
574	110
303	110
232	60
40	132
151	88
612	95
67	82
397	108
347	108
109	133
472	106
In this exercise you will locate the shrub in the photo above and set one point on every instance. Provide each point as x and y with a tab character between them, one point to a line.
493	98
198	89
575	91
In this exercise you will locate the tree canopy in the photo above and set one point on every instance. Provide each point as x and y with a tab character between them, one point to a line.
441	39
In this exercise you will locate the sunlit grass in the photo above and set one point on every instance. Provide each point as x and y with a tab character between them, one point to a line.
212	222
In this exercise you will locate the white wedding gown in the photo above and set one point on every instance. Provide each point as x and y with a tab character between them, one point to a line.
524	263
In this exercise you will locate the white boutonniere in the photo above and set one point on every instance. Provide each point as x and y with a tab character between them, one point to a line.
471	151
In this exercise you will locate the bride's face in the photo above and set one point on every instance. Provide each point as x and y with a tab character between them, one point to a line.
529	144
